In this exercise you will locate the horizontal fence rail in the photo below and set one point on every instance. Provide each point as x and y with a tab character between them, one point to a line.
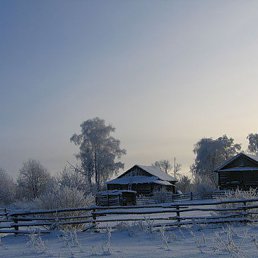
156	215
163	197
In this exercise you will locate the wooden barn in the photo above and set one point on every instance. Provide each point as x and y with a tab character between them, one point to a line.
241	172
145	180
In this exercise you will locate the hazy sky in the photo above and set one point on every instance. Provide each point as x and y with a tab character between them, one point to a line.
164	73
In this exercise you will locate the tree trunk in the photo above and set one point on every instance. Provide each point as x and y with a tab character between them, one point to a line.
96	170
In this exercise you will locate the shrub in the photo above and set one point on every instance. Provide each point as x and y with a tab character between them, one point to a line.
64	197
203	185
184	184
237	195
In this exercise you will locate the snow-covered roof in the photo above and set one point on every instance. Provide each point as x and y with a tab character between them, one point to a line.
155	171
161	182
138	180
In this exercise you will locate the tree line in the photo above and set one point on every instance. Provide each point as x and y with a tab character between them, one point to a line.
99	158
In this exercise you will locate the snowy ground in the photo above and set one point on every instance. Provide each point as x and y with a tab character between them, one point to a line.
138	241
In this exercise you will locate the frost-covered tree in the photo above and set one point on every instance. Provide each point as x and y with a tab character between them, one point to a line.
7	188
64	197
72	179
163	165
33	179
210	154
253	143
99	151
184	184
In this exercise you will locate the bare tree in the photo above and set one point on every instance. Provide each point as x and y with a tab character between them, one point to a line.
163	165
166	166
33	179
7	189
176	168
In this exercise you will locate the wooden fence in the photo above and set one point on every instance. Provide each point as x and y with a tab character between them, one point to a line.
161	197
97	218
199	196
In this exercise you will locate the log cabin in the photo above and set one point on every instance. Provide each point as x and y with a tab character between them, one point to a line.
145	180
241	172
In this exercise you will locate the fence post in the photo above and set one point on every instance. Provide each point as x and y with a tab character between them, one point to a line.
94	218
15	221
245	211
178	215
191	196
6	213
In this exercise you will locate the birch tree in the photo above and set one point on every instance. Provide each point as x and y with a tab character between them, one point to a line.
99	152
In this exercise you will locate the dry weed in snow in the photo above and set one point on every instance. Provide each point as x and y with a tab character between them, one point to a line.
71	241
224	243
2	245
37	243
199	242
164	238
105	248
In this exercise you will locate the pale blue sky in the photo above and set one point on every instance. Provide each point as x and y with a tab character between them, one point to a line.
164	73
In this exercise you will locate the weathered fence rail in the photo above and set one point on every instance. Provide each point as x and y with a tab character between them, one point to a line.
199	196
97	217
161	197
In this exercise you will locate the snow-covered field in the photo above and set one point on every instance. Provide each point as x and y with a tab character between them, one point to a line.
138	240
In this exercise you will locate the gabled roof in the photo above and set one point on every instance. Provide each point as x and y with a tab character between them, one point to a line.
156	176
129	180
248	156
155	171
254	157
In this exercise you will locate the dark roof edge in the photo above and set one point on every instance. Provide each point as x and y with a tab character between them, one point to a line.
232	159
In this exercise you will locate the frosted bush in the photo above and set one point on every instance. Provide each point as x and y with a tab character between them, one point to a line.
238	195
203	185
184	184
64	197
